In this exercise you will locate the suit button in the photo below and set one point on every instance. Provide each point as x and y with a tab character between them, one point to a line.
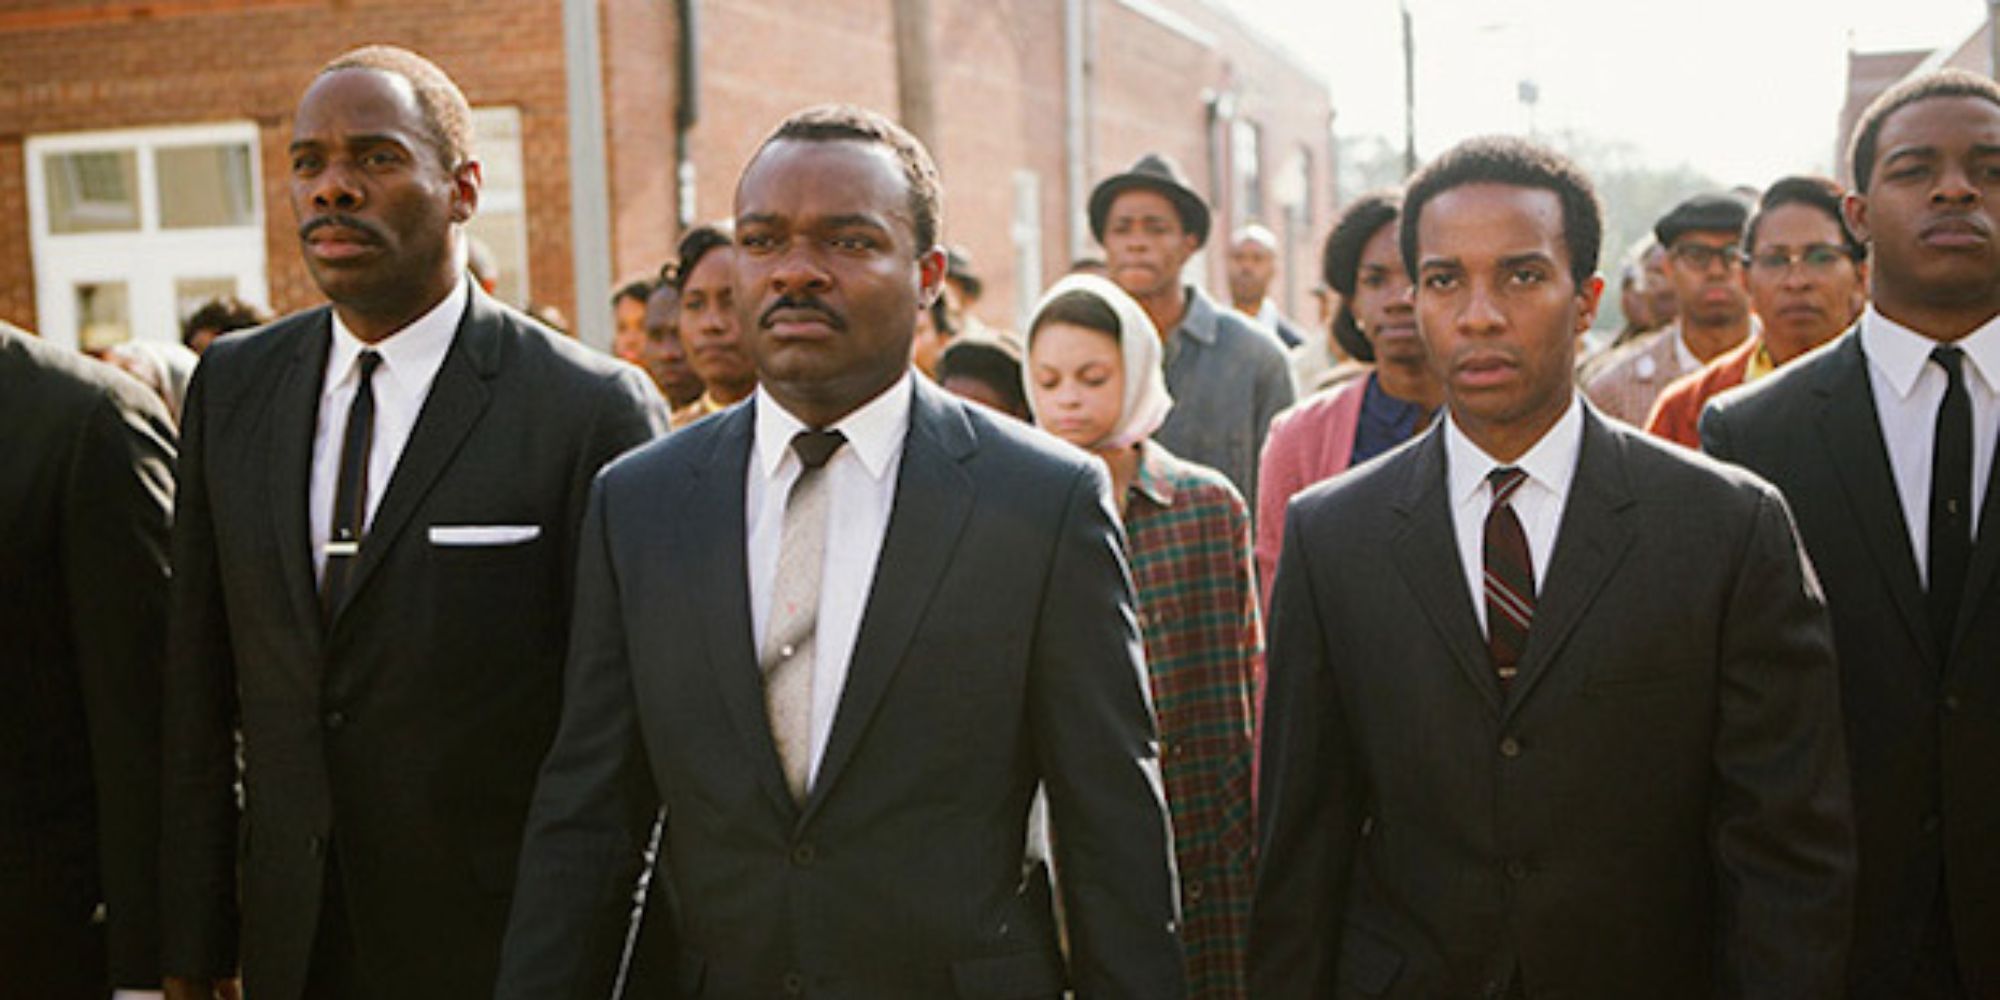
1510	747
794	984
334	720
1931	823
1517	870
1951	703
1194	893
1493	990
803	855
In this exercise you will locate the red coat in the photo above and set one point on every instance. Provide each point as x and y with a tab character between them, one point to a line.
1676	414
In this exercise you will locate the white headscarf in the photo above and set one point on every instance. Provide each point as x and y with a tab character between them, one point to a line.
1146	397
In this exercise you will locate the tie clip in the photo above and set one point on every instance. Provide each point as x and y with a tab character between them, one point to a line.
343	549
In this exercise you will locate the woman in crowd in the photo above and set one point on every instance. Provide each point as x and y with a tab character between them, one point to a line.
1325	433
709	328
1094	379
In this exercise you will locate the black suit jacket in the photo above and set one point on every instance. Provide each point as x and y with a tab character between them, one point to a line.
998	650
1923	724
408	734
86	496
1657	808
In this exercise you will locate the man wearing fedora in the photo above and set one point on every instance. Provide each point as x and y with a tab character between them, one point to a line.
1228	376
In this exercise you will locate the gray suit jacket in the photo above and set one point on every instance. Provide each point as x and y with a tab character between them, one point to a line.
1923	723
998	651
404	738
1656	808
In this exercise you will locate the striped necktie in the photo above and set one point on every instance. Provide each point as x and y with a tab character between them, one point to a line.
1510	577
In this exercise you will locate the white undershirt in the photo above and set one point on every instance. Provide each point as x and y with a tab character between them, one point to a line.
411	358
1538	502
861	492
1908	389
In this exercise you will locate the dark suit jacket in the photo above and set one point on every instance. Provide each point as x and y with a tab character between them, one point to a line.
1657	808
86	495
998	650
1923	726
407	736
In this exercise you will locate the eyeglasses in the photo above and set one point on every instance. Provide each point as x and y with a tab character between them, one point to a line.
1818	258
1700	256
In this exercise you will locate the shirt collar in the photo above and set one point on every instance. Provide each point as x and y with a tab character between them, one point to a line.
1154	480
1902	353
1198	320
874	431
407	353
1551	462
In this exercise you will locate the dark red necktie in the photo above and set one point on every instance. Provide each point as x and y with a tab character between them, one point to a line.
1510	577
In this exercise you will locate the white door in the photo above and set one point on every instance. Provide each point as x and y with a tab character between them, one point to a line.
132	230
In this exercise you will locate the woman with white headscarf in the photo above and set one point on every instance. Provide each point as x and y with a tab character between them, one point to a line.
1094	379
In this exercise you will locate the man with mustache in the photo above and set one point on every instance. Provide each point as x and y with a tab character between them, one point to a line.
1884	444
841	634
1703	236
1808	277
373	552
1579	735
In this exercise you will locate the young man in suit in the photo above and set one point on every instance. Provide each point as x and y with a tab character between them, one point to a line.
86	498
1884	444
842	634
1576	733
372	566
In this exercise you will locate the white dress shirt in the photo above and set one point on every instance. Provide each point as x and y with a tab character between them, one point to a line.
861	491
1908	389
411	358
1538	503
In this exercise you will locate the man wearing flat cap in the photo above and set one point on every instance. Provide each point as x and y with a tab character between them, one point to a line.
1228	376
1704	240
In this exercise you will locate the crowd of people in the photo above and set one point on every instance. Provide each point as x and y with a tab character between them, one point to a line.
827	640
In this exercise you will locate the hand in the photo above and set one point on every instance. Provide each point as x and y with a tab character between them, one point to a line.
186	988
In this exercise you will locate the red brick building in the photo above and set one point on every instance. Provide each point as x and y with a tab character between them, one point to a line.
142	142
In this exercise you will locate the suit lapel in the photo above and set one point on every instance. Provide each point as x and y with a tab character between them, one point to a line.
1427	545
1853	440
457	399
1591	541
294	420
712	537
933	498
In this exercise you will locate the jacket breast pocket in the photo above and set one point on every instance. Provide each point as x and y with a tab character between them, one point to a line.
1368	964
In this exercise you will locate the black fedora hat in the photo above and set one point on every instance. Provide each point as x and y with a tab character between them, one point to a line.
1156	173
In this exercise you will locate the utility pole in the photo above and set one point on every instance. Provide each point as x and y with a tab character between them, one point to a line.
915	97
1993	38
1410	91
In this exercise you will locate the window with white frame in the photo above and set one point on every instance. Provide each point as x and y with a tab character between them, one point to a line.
501	224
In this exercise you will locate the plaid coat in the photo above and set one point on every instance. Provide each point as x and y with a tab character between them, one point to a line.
1190	540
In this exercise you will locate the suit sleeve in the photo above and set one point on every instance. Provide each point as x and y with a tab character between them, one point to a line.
589	820
199	711
117	517
1309	800
1716	439
1782	819
1092	731
628	412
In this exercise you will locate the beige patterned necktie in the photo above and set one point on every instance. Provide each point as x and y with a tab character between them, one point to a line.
787	658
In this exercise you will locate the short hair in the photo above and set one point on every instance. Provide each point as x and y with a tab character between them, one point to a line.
1942	83
447	116
1813	192
1518	163
223	315
697	243
848	123
986	360
1340	261
638	290
1077	308
941	319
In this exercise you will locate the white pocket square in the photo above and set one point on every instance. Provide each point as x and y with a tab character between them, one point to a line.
484	534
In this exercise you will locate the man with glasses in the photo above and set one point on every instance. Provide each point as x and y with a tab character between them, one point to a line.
1807	275
1703	237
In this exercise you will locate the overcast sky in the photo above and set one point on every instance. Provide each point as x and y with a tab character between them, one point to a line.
1743	90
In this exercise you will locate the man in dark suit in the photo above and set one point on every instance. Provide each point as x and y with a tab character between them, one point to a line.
372	566
86	498
1887	457
1552	707
845	690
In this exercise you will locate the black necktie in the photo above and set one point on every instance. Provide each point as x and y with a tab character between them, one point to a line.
350	493
1510	577
1951	498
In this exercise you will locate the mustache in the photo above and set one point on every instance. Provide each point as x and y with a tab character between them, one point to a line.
802	303
343	221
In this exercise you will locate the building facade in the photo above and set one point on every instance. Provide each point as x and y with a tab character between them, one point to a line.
143	142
